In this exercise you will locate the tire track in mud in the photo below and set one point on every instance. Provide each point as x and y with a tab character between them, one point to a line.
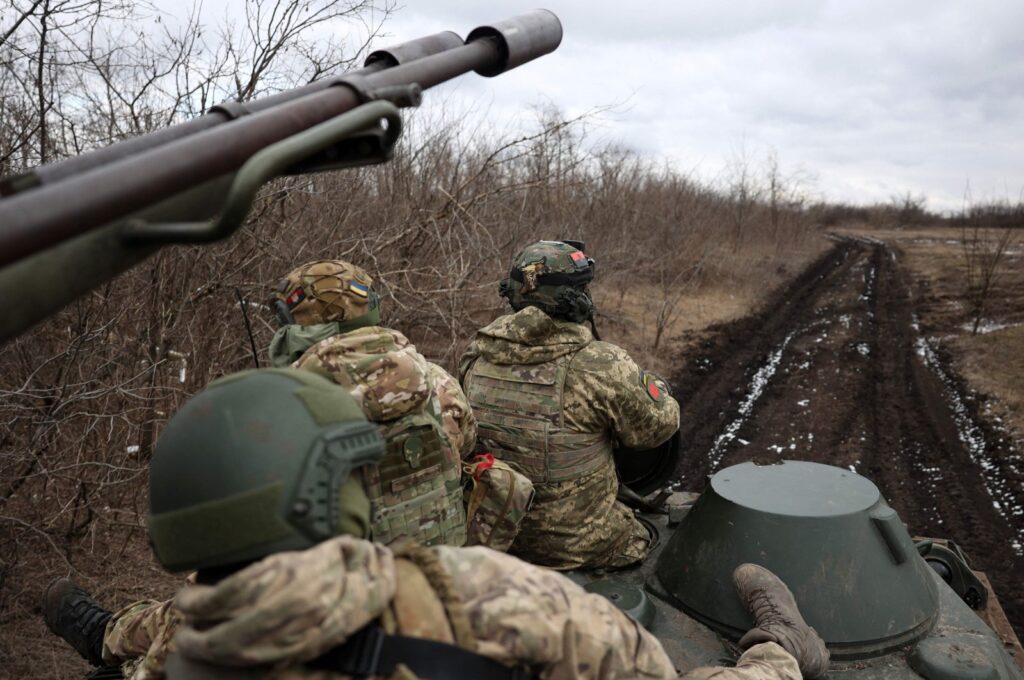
834	370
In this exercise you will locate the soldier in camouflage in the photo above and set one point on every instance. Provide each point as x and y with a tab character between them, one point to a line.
288	586
331	316
553	402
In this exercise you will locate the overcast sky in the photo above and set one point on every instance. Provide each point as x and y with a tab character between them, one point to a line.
870	98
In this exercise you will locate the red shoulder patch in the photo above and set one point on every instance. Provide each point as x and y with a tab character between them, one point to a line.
651	385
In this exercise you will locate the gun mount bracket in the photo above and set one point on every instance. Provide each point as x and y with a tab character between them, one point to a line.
402	96
364	135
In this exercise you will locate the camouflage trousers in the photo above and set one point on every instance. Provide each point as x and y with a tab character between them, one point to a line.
579	524
139	638
766	661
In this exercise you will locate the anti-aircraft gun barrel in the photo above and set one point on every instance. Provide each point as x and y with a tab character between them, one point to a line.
85	228
377	60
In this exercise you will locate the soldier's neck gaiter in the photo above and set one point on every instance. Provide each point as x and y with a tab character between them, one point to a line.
291	342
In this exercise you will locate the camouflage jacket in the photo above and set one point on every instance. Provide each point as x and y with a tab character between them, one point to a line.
553	402
426	421
292	607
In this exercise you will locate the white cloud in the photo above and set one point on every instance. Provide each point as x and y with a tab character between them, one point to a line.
875	98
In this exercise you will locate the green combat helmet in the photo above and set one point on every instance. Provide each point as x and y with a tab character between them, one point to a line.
257	463
552	276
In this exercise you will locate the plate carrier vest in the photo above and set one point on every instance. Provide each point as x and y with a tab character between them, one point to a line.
519	417
415	491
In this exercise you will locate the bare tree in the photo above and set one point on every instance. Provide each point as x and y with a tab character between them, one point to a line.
743	191
984	253
79	73
908	209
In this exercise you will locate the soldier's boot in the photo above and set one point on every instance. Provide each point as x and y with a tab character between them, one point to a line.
77	618
777	619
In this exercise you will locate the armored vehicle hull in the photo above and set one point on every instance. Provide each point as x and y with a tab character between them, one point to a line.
879	599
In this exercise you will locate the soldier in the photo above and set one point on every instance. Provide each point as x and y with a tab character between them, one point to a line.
553	402
252	485
330	316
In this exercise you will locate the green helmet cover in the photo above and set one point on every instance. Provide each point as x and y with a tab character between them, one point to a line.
552	276
257	463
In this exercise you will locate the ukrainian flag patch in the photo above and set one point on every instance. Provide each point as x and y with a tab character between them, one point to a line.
359	289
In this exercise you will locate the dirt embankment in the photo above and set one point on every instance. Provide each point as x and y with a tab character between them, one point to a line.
836	370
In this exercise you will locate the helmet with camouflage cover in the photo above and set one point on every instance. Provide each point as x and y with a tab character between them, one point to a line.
553	276
327	291
257	463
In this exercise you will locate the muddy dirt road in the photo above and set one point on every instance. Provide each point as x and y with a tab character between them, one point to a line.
836	370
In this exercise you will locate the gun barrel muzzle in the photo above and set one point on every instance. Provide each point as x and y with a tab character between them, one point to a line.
520	39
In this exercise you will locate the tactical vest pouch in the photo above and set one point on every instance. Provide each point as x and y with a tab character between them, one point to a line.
412	492
499	499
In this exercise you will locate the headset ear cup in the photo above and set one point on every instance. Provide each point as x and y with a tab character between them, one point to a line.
573	304
584	306
505	289
590	304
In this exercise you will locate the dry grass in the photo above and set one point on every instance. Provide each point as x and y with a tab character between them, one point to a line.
993	364
627	314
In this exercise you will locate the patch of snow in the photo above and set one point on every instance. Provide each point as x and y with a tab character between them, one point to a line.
803	402
986	327
134	448
758	383
869	285
183	370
